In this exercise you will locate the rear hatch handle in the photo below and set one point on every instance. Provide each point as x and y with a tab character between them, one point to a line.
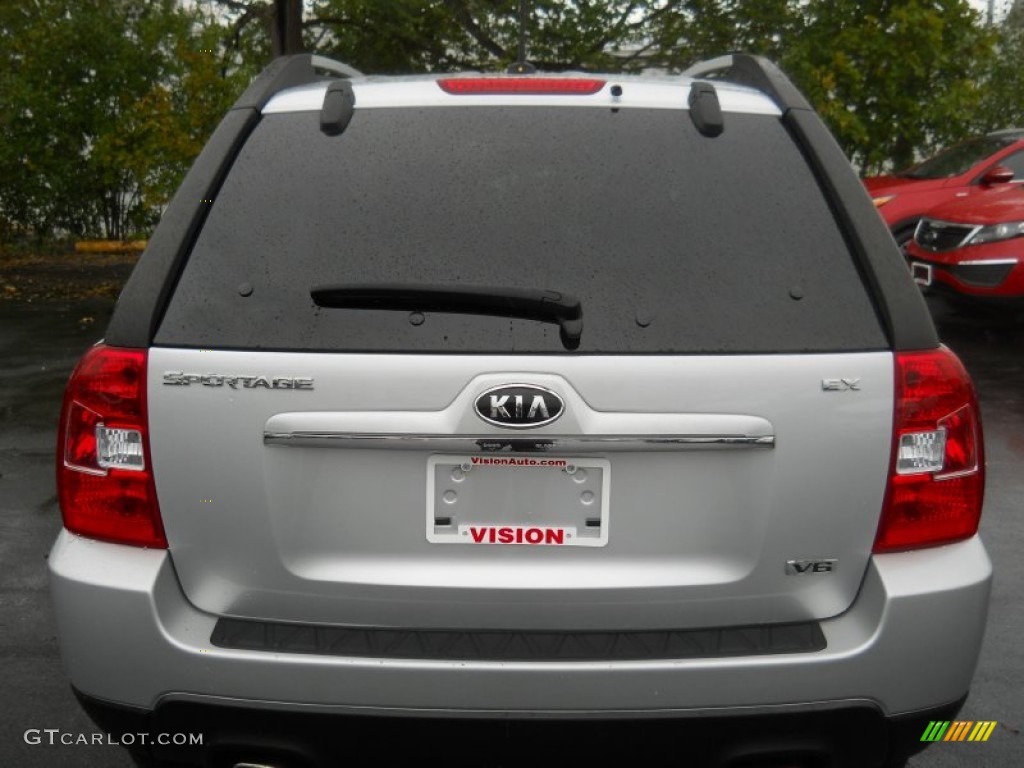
546	306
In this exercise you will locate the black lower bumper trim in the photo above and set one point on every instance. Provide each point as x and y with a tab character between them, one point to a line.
848	737
489	645
983	277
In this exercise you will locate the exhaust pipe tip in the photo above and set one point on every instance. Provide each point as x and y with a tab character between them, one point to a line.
277	755
771	758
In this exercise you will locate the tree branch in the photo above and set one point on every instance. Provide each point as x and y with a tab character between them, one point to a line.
466	21
616	28
330	21
251	12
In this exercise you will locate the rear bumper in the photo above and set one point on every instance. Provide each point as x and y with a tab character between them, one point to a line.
908	644
853	735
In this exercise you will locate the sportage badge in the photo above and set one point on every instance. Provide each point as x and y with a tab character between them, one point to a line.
519	406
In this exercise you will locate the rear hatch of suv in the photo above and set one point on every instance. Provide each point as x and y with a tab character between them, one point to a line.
698	434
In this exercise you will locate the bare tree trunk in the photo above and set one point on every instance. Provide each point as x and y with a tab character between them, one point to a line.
116	215
286	33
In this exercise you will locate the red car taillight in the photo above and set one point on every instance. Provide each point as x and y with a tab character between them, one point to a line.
937	472
104	478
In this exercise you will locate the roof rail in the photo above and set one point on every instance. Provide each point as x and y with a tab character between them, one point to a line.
288	72
755	72
339	68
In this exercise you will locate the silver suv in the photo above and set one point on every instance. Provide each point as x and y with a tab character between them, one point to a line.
521	410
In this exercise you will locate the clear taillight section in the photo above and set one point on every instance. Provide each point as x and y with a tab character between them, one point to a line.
937	475
104	482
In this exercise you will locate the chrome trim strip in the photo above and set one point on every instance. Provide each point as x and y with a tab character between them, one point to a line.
985	263
568	444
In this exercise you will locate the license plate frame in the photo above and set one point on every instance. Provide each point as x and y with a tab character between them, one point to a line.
558	500
921	272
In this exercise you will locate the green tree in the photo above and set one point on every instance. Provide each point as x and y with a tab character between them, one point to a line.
1003	83
102	106
1015	16
392	36
892	78
685	32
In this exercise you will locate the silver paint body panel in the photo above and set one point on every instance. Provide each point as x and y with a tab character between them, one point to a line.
293	529
909	641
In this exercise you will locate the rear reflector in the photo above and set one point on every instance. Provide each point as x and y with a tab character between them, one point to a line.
937	474
104	482
571	86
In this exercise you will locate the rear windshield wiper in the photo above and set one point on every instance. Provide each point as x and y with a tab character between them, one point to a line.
529	304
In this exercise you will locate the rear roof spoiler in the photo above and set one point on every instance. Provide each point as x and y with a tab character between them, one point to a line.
754	72
288	72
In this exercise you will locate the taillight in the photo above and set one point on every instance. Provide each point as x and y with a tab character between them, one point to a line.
104	477
569	86
937	472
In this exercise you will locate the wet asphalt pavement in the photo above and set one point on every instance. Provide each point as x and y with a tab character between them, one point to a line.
39	345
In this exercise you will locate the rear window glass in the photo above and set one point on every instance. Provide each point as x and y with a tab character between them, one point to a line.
673	242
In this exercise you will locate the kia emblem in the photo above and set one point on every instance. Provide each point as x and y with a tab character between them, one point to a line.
519	406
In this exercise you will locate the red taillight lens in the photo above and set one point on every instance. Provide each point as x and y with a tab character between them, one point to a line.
104	481
937	473
571	86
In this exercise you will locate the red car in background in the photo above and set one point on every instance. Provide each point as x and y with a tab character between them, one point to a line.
974	167
972	247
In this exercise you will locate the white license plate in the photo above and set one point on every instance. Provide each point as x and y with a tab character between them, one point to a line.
922	273
528	500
